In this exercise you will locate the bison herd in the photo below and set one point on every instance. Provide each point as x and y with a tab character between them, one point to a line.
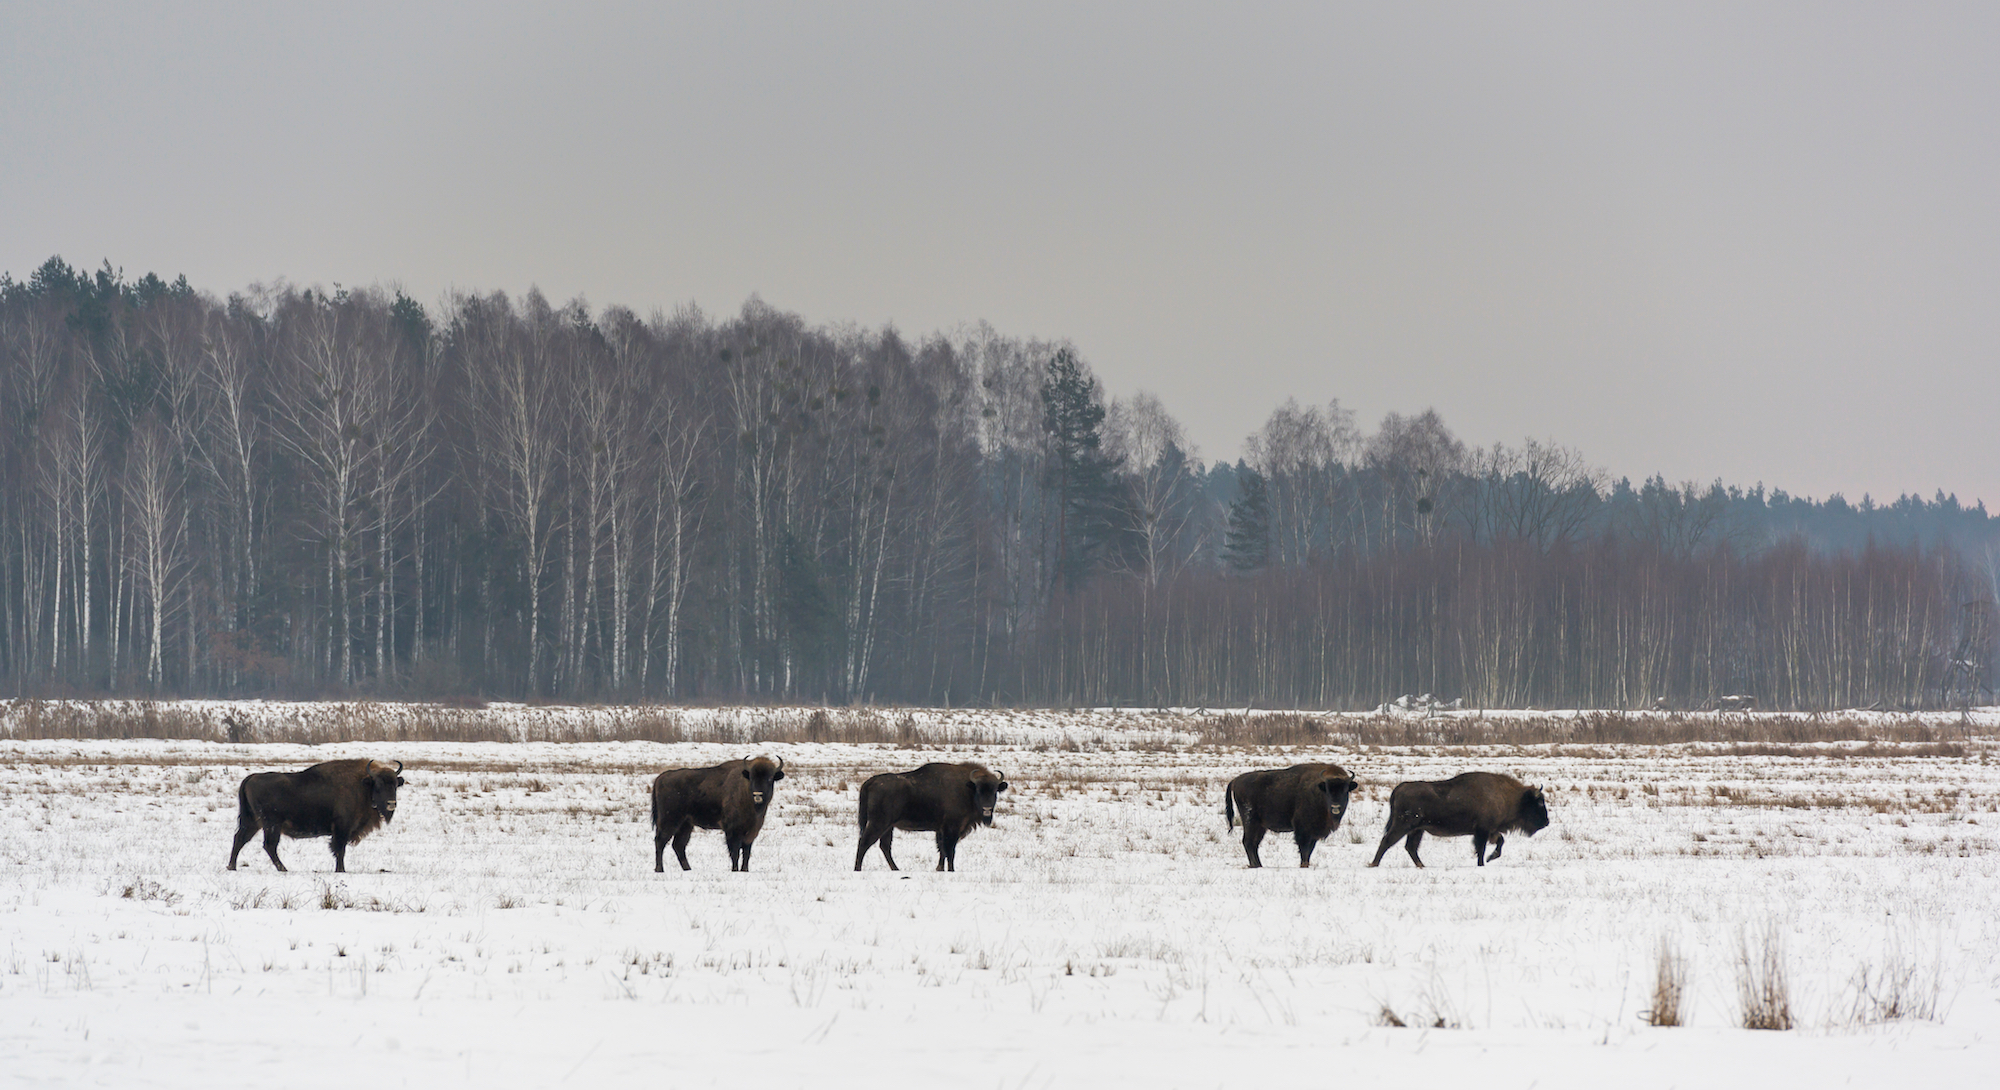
347	800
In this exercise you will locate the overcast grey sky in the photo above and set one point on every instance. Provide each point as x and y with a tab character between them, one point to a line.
1747	241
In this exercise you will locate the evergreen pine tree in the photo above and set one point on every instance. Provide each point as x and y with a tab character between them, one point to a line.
1248	544
1079	473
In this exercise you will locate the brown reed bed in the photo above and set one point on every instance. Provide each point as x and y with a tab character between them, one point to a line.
370	721
1745	734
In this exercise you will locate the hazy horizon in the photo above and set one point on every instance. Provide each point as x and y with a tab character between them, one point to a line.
1747	244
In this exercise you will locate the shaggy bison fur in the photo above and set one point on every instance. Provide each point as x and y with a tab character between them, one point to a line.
950	800
732	796
1306	801
345	800
1485	805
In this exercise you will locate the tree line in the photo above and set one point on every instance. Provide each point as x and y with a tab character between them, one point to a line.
301	491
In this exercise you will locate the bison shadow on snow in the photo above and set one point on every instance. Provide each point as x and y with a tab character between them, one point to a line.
1306	801
345	800
950	800
1485	805
732	796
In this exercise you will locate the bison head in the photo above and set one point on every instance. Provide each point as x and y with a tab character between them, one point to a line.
762	773
381	783
1338	789
1534	811
986	787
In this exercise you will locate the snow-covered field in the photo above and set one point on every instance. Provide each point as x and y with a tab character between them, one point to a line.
508	929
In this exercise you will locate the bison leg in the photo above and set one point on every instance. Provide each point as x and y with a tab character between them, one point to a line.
1253	835
869	839
1393	833
739	854
659	848
243	835
339	852
271	847
869	836
947	852
681	837
1410	845
1307	842
1499	839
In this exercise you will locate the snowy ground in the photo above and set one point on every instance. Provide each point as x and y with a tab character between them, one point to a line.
509	929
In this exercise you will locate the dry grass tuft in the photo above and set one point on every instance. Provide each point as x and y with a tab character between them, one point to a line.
145	889
333	896
1904	987
263	897
1763	983
1670	987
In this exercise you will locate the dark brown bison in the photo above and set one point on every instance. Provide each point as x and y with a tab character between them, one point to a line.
1306	801
1486	805
732	796
950	800
345	800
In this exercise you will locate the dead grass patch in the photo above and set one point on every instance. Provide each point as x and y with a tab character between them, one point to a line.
334	896
1744	734
1590	734
1904	986
1670	987
1763	982
386	722
145	889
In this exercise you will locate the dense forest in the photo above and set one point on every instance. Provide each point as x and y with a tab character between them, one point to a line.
295	491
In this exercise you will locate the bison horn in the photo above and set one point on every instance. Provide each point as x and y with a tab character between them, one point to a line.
399	768
781	765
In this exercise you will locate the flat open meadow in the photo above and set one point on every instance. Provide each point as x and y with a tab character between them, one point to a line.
508	928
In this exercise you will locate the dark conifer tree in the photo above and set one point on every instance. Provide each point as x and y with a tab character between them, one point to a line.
1079	474
1248	544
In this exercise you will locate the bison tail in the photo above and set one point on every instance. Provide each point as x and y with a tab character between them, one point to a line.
1229	807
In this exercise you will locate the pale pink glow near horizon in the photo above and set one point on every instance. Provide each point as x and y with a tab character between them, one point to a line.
1749	243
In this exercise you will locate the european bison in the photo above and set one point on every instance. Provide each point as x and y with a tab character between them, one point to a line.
1487	805
1306	801
345	800
950	800
732	796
